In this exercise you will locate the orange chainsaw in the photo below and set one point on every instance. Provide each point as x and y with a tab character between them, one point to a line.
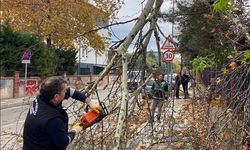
91	117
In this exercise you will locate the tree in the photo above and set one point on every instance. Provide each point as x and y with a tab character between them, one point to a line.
67	61
45	61
60	21
152	59
202	31
206	34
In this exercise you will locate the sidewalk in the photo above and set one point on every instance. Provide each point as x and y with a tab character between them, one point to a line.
14	102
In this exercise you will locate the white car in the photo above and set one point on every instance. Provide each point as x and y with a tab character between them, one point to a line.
167	78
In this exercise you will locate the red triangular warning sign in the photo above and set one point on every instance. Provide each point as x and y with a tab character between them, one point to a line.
168	44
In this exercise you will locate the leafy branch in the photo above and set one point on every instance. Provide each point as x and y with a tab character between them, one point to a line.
222	5
201	63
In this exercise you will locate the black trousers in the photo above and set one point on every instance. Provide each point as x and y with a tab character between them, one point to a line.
177	92
185	89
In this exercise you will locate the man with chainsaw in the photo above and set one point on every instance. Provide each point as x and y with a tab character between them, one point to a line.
46	124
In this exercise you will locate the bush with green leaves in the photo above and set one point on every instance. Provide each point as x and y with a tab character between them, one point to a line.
45	60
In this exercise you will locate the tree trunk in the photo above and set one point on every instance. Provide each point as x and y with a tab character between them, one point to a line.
145	43
137	27
157	39
49	41
122	49
123	108
144	64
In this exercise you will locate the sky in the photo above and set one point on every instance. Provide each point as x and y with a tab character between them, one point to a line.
132	9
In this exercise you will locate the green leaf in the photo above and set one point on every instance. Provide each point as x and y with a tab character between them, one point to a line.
222	5
246	57
201	63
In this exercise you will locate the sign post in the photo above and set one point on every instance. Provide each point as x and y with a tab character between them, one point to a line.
26	56
168	55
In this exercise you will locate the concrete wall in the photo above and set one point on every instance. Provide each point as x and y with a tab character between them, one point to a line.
6	87
12	87
80	82
32	88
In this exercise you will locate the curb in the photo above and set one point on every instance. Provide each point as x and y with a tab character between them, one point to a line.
10	103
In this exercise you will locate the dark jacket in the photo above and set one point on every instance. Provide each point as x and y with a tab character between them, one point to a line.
177	81
159	89
185	79
46	125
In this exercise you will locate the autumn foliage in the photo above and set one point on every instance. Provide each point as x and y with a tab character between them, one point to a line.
60	21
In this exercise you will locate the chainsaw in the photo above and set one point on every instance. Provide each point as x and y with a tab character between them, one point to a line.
91	117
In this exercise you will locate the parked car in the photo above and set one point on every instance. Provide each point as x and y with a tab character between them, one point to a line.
167	78
132	86
134	78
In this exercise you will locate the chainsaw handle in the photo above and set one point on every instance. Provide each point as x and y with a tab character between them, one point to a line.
103	106
87	108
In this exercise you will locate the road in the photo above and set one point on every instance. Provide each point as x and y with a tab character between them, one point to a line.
12	120
10	116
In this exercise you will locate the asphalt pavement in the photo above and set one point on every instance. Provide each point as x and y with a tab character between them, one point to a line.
14	102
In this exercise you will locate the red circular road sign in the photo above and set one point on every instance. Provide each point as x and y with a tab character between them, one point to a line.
168	56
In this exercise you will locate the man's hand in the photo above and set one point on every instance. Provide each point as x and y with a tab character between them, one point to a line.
94	105
77	127
87	100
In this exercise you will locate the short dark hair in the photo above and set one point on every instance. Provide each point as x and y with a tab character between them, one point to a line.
50	87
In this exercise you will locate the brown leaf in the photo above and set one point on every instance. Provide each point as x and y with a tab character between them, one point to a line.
233	65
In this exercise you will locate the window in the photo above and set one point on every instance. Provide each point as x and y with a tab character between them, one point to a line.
84	52
97	69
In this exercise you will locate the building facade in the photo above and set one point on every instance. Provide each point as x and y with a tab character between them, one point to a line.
88	61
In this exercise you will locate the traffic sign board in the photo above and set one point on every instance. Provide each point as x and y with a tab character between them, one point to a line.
26	56
168	44
168	56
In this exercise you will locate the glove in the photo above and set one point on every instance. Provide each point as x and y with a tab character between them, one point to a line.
77	127
94	105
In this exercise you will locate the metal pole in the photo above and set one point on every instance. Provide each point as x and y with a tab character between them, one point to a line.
172	123
95	58
78	40
79	51
25	81
171	63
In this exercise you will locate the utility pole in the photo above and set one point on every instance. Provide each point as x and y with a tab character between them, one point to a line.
171	63
79	63
171	72
26	56
79	54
